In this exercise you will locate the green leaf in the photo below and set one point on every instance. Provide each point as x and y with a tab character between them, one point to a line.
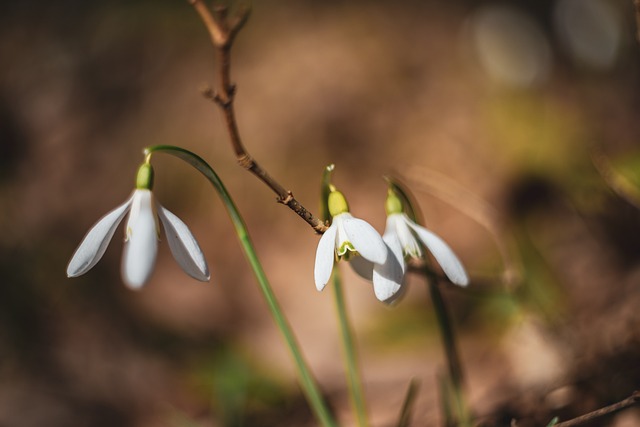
553	422
409	400
446	398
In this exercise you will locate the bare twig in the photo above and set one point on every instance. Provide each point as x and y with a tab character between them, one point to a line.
223	30
623	404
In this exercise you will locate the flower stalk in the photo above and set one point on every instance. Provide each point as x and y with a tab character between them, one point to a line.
350	354
334	203
307	381
403	219
454	366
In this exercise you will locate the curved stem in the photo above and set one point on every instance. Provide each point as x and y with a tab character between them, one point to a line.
307	380
350	354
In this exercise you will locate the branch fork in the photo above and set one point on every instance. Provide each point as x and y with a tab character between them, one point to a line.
223	31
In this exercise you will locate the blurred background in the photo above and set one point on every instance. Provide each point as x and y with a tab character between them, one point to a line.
514	123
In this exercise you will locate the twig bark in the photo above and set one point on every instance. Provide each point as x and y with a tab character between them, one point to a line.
623	404
223	30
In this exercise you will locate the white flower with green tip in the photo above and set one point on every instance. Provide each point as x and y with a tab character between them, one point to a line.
405	233
141	238
344	239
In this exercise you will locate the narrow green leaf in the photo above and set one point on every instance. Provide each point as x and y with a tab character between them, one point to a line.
407	405
446	399
553	422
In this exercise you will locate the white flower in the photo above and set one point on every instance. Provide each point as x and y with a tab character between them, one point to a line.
387	277
404	232
378	261
141	241
345	237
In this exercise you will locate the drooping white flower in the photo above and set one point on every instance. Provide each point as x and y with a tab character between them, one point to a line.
387	277
409	236
404	238
355	240
141	238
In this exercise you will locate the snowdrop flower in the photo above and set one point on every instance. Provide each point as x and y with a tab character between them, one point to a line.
141	238
387	277
344	239
404	233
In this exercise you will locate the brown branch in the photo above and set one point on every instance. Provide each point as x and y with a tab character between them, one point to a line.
223	31
623	404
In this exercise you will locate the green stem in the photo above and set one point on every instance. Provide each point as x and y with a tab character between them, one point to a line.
350	355
307	380
453	359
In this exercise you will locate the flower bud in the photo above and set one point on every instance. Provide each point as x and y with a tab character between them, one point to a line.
144	178
337	203
393	205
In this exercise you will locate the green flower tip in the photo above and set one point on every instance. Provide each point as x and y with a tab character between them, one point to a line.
393	205
144	178
337	203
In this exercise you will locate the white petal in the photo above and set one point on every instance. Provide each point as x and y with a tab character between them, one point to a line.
96	241
408	243
362	267
141	245
366	240
184	246
387	277
325	257
449	262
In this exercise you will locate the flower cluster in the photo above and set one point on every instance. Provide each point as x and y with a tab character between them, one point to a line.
380	259
141	238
